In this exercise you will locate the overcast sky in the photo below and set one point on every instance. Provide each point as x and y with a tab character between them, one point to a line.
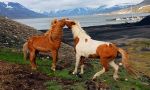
46	5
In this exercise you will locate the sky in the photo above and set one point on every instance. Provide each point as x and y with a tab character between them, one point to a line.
47	5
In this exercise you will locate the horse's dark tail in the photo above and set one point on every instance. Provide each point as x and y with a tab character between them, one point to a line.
125	62
25	51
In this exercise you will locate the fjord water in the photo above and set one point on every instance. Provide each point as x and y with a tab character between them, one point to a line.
89	20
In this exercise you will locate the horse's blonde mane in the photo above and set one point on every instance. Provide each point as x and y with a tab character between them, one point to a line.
78	31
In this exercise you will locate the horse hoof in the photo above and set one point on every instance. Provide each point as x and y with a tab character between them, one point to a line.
53	69
33	68
94	79
81	73
74	73
116	78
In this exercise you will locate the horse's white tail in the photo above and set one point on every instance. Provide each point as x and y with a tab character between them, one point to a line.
25	50
125	62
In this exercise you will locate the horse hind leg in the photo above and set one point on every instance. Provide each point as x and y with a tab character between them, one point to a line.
116	67
104	63
98	73
32	60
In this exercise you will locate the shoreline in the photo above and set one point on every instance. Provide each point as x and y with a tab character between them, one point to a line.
118	33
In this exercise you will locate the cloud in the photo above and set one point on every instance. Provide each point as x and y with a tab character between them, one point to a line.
46	5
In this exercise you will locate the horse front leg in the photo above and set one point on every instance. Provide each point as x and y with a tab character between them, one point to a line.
76	64
82	60
54	56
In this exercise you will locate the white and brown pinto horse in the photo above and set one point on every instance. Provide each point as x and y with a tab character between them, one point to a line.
86	47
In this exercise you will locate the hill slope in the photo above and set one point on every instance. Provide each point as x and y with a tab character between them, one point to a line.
143	7
145	2
14	34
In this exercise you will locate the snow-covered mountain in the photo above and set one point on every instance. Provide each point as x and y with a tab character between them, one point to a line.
70	12
16	10
84	11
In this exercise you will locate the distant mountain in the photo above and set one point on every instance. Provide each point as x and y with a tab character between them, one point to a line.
143	7
105	9
145	2
84	11
16	10
70	12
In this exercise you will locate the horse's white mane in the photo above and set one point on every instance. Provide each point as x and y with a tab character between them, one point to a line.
78	31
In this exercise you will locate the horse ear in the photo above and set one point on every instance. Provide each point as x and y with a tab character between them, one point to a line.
54	21
65	19
73	23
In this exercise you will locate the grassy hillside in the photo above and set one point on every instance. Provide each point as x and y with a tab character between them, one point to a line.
144	9
137	9
61	79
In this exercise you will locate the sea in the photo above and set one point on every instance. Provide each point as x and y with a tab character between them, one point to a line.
85	21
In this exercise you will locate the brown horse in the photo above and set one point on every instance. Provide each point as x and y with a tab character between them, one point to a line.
49	42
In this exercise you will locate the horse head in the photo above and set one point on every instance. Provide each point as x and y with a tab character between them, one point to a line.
58	23
61	22
70	23
54	21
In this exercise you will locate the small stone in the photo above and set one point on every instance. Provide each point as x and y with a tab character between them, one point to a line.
126	79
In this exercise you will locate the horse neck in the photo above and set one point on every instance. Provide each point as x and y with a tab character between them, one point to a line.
56	31
79	32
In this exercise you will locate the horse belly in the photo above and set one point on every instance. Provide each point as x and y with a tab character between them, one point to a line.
42	46
86	49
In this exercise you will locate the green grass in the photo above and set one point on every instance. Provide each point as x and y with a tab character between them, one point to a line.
9	55
53	85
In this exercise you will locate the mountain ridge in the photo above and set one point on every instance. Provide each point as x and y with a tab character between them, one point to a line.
143	7
16	10
84	11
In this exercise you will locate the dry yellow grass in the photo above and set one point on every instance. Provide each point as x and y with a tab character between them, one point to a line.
140	58
141	61
144	9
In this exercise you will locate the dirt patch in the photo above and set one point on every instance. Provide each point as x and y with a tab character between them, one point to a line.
92	85
13	76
